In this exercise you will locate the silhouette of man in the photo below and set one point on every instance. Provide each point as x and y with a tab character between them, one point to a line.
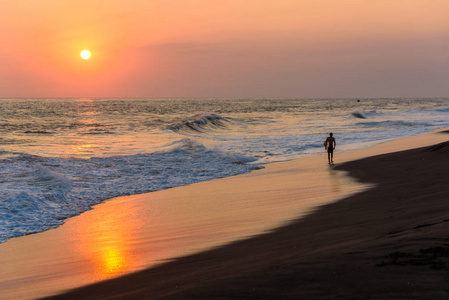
330	144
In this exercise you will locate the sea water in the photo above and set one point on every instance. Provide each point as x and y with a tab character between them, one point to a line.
59	157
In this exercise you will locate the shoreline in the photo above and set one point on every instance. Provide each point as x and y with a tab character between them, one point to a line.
388	242
261	164
220	188
130	233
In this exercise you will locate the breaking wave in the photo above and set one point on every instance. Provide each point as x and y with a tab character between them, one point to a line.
53	189
200	123
361	114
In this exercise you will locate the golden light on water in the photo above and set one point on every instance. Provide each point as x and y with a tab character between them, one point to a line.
85	54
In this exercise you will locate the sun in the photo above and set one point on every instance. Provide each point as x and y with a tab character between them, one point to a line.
85	54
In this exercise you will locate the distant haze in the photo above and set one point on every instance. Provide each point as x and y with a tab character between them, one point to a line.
231	48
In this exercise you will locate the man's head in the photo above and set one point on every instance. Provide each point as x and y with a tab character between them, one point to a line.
330	134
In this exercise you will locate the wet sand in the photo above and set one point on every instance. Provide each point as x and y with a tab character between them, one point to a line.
388	242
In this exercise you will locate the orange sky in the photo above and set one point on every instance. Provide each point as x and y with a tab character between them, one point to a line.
232	48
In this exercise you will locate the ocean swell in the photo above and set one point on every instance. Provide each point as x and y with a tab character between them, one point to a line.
392	124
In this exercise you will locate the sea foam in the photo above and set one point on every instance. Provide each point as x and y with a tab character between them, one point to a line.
52	189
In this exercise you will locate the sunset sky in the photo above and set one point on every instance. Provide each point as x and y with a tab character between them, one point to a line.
232	48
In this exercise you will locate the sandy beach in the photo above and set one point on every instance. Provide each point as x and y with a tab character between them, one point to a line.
384	240
389	242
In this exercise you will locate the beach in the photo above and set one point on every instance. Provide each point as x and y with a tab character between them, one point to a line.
174	150
130	233
385	239
389	242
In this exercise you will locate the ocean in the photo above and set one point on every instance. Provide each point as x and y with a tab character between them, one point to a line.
59	157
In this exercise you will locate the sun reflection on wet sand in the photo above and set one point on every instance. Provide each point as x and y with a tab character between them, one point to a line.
106	242
114	262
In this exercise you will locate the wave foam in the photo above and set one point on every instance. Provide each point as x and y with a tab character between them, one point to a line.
38	192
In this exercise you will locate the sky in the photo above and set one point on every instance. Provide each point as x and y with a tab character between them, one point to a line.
232	48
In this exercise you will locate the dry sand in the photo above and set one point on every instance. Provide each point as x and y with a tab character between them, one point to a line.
388	242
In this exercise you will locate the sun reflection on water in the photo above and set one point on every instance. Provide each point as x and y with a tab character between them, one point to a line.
83	151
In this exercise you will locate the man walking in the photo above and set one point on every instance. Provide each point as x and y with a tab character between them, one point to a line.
330	145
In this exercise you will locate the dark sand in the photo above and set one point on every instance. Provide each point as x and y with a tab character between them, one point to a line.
390	242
